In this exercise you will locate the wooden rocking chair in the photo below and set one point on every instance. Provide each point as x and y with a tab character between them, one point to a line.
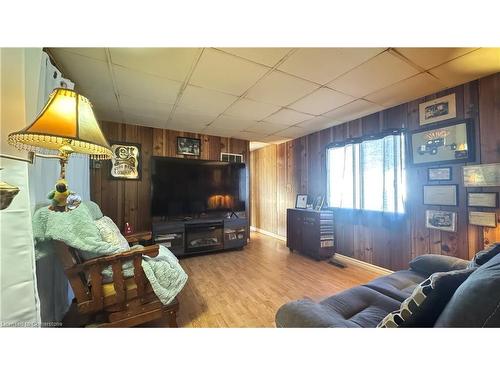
124	302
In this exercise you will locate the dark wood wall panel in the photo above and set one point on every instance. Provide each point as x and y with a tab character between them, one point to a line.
130	201
374	238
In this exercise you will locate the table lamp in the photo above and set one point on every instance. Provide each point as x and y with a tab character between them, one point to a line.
67	124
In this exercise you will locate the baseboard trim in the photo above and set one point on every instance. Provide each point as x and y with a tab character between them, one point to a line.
340	257
360	263
270	234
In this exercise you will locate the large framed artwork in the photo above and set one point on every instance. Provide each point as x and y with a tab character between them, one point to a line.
450	143
126	161
439	109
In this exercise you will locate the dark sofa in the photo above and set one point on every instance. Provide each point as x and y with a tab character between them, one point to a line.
476	302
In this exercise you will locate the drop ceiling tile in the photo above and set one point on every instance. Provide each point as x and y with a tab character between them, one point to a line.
293	132
246	135
185	118
146	86
186	127
318	123
104	100
86	73
354	110
266	128
251	110
275	139
321	101
93	53
172	63
255	145
321	65
106	114
205	100
209	130
480	63
430	57
280	89
407	90
227	73
144	120
287	117
266	56
145	107
230	122
381	71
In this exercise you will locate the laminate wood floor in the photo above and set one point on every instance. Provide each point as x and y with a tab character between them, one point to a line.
245	288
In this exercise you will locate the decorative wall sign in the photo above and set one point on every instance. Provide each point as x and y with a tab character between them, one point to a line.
482	200
482	175
483	219
126	161
442	220
439	174
188	146
452	143
301	201
439	109
441	195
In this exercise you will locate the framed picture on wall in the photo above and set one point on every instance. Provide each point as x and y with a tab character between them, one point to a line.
489	200
482	175
188	146
450	143
439	174
441	195
439	109
441	220
483	219
125	161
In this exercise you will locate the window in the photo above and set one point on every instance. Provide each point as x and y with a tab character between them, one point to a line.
368	175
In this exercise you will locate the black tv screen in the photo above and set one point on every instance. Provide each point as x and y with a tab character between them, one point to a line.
187	187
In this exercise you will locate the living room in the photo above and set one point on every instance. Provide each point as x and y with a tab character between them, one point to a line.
329	184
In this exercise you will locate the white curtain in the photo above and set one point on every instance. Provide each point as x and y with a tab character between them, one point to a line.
53	291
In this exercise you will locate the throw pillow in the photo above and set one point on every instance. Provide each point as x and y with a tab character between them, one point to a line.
485	255
431	263
427	301
110	233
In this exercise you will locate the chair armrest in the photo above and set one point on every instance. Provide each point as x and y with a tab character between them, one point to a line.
147	250
430	263
139	236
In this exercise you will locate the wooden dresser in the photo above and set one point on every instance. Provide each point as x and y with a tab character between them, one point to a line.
310	232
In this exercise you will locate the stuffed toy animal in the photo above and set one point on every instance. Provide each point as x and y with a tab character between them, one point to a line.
59	196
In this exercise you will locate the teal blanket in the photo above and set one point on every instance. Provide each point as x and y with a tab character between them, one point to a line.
76	228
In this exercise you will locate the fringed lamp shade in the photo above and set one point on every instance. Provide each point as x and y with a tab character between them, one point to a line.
67	123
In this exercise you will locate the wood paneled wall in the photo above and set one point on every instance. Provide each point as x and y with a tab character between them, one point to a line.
130	201
298	166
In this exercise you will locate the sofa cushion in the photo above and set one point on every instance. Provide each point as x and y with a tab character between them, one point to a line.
476	303
427	301
355	307
485	255
430	263
398	285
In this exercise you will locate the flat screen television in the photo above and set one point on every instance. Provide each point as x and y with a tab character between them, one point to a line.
188	187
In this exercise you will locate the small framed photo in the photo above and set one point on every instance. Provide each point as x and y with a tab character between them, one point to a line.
125	161
188	146
483	219
301	201
489	200
439	109
482	175
441	220
441	195
439	144
318	203
439	174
